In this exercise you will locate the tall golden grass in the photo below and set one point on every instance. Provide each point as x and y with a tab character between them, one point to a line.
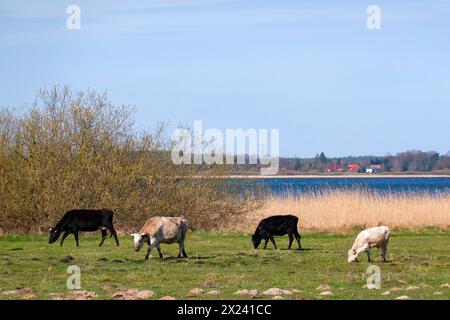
344	210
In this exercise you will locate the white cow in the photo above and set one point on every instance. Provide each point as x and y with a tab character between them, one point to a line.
162	230
369	238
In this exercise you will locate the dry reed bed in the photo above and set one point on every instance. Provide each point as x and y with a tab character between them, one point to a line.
343	210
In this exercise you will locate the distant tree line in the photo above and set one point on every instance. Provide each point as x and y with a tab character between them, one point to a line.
409	161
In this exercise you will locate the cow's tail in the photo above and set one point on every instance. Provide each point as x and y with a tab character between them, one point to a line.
188	226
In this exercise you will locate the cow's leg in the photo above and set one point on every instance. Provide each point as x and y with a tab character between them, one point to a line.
66	233
291	238
103	236
114	234
265	243
159	251
107	223
182	252
75	234
150	248
368	256
364	248
297	237
384	250
184	231
273	241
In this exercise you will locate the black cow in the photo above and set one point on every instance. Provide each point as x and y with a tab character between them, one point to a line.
74	221
276	226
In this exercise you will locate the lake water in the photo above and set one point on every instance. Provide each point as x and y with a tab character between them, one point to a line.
428	185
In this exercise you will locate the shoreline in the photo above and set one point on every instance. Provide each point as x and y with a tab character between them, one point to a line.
338	176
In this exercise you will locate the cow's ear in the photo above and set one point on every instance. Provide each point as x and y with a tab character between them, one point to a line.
50	229
133	234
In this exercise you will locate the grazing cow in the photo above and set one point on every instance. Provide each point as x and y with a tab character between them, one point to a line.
369	238
162	230
74	221
278	226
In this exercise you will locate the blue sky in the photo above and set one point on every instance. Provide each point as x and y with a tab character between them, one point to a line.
311	69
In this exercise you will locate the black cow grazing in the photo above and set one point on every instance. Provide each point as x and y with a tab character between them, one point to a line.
74	221
276	226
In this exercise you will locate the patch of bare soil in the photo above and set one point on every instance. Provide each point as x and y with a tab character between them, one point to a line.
251	293
276	292
133	294
21	293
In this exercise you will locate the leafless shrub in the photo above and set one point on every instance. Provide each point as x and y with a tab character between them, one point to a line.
78	150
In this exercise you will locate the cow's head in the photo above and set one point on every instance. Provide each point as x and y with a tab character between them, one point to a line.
352	255
54	235
139	240
256	239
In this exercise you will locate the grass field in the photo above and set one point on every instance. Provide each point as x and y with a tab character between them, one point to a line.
226	262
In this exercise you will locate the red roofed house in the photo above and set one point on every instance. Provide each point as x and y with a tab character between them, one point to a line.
354	167
335	169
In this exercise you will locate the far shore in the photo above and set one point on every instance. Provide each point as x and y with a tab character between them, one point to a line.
340	176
